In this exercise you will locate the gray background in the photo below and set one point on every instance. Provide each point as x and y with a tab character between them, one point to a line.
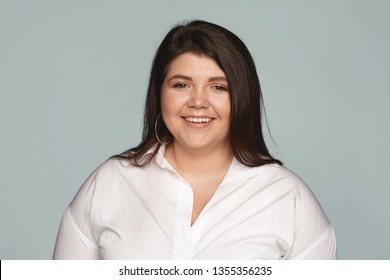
73	77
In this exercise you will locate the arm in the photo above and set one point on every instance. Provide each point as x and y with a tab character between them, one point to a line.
314	236
75	239
322	249
71	243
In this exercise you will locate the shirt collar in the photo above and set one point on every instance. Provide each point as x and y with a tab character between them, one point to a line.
161	160
236	169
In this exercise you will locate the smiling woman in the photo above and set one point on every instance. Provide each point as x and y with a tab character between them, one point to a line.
201	184
196	104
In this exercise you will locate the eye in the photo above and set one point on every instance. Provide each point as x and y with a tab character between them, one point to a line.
219	88
180	85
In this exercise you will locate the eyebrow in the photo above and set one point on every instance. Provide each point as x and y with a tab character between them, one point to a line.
211	79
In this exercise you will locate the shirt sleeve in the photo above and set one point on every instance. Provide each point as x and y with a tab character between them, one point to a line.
314	237
71	243
75	239
323	249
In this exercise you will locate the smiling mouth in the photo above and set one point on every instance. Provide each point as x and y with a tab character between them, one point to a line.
198	120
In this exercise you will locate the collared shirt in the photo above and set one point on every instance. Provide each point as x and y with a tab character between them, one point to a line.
128	212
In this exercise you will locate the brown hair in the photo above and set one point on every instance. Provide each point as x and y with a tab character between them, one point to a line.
233	57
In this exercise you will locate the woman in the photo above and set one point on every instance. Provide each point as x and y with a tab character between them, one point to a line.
201	184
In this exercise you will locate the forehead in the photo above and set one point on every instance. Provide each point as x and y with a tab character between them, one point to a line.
194	65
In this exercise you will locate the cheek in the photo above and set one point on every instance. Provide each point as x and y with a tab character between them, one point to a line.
171	102
166	102
222	105
227	108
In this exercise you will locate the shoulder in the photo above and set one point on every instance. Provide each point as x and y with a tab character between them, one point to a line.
280	177
280	188
103	178
106	186
110	168
305	205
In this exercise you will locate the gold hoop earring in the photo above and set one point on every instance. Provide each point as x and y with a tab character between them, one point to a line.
155	129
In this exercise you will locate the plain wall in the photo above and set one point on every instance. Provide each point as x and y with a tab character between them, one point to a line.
73	77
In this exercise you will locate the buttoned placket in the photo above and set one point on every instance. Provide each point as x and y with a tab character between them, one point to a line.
187	236
182	230
182	248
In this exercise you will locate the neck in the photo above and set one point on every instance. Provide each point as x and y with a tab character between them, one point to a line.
199	162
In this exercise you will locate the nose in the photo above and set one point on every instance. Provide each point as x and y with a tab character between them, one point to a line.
199	98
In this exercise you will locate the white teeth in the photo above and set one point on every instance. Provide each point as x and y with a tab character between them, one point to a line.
198	120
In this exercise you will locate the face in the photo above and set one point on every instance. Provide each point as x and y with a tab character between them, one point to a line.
195	102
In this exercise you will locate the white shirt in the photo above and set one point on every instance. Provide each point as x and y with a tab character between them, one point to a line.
127	212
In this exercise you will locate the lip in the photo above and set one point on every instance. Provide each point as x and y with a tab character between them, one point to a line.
198	124
197	116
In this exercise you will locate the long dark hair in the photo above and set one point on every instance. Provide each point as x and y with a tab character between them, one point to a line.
233	57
